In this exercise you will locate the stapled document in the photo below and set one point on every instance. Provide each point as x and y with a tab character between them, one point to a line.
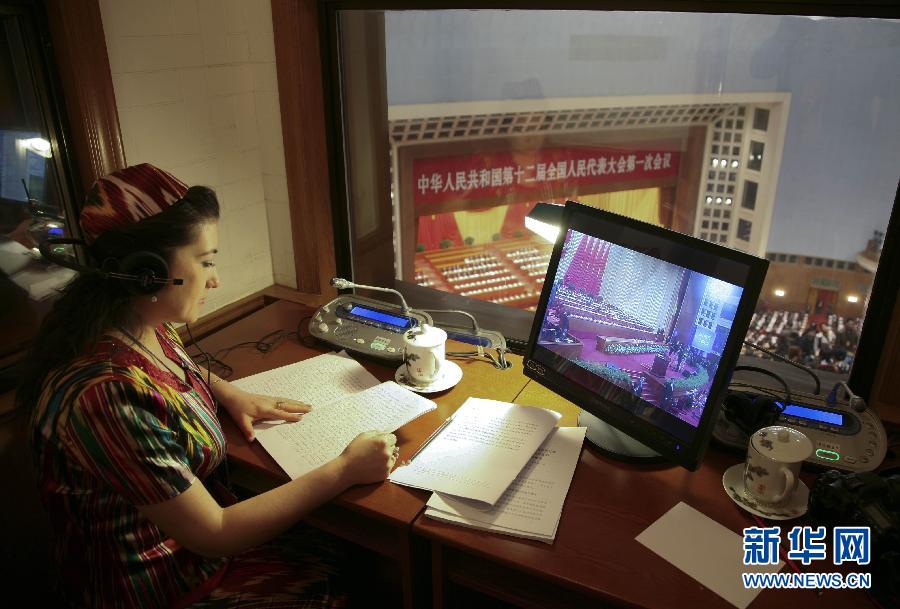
532	505
480	452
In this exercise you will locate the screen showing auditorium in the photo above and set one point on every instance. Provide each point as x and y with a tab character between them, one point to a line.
657	330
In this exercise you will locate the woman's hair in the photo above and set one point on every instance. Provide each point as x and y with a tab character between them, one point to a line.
92	304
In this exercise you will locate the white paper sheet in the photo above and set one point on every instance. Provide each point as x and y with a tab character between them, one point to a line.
532	505
474	524
481	451
324	432
43	281
705	550
13	256
316	381
346	401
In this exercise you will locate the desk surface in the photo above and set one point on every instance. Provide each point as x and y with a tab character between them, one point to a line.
594	556
386	501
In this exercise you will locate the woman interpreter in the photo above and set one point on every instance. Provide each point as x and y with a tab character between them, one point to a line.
125	428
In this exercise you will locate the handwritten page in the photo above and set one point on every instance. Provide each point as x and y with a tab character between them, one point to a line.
316	381
532	505
346	401
480	452
324	432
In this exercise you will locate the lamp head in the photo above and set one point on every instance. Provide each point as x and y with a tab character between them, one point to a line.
544	219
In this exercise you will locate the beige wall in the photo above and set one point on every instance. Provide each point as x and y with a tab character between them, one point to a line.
796	281
197	94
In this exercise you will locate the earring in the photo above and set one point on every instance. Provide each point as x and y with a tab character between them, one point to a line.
154	298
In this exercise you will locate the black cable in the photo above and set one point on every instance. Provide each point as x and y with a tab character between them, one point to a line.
757	388
500	362
264	344
305	339
787	361
210	360
196	343
769	373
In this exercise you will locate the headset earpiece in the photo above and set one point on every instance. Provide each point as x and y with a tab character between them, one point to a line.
141	272
751	411
150	271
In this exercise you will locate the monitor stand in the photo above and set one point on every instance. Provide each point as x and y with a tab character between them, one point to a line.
614	443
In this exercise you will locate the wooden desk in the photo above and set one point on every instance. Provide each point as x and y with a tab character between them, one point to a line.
378	517
595	560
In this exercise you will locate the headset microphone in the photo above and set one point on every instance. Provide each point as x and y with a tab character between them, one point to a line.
145	271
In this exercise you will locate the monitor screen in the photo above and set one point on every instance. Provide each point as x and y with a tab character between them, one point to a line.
640	326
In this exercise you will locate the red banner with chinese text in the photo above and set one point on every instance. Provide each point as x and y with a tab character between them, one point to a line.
534	172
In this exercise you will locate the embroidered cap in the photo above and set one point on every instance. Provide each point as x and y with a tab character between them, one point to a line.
128	196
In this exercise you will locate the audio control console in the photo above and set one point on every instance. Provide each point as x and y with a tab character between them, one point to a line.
366	326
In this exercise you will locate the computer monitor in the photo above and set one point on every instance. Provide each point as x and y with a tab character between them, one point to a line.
641	326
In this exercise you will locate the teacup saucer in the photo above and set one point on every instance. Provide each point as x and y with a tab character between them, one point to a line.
733	481
449	376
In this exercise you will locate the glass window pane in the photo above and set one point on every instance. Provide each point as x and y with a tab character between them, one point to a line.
33	197
749	199
481	115
754	161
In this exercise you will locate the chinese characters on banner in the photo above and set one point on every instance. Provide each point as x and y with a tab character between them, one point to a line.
481	176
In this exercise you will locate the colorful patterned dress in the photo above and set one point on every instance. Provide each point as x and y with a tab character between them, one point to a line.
113	431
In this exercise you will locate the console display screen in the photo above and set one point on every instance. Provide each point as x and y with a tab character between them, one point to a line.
812	414
401	323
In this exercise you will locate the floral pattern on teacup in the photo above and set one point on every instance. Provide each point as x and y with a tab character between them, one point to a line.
750	470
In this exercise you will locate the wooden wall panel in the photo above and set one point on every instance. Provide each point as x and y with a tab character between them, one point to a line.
300	85
79	47
885	397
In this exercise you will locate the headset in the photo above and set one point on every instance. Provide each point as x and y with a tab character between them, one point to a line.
751	411
142	272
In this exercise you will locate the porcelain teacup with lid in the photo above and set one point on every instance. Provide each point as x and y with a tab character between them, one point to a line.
423	353
773	463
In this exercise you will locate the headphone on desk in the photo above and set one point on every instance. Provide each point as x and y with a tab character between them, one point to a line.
142	272
750	410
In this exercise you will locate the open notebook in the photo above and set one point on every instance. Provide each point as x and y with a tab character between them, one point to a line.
346	400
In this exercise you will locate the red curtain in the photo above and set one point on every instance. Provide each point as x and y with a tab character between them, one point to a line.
515	219
434	229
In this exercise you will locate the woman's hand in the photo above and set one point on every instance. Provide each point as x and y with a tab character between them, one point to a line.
245	408
370	457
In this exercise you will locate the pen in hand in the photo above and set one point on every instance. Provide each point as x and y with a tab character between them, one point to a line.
428	440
